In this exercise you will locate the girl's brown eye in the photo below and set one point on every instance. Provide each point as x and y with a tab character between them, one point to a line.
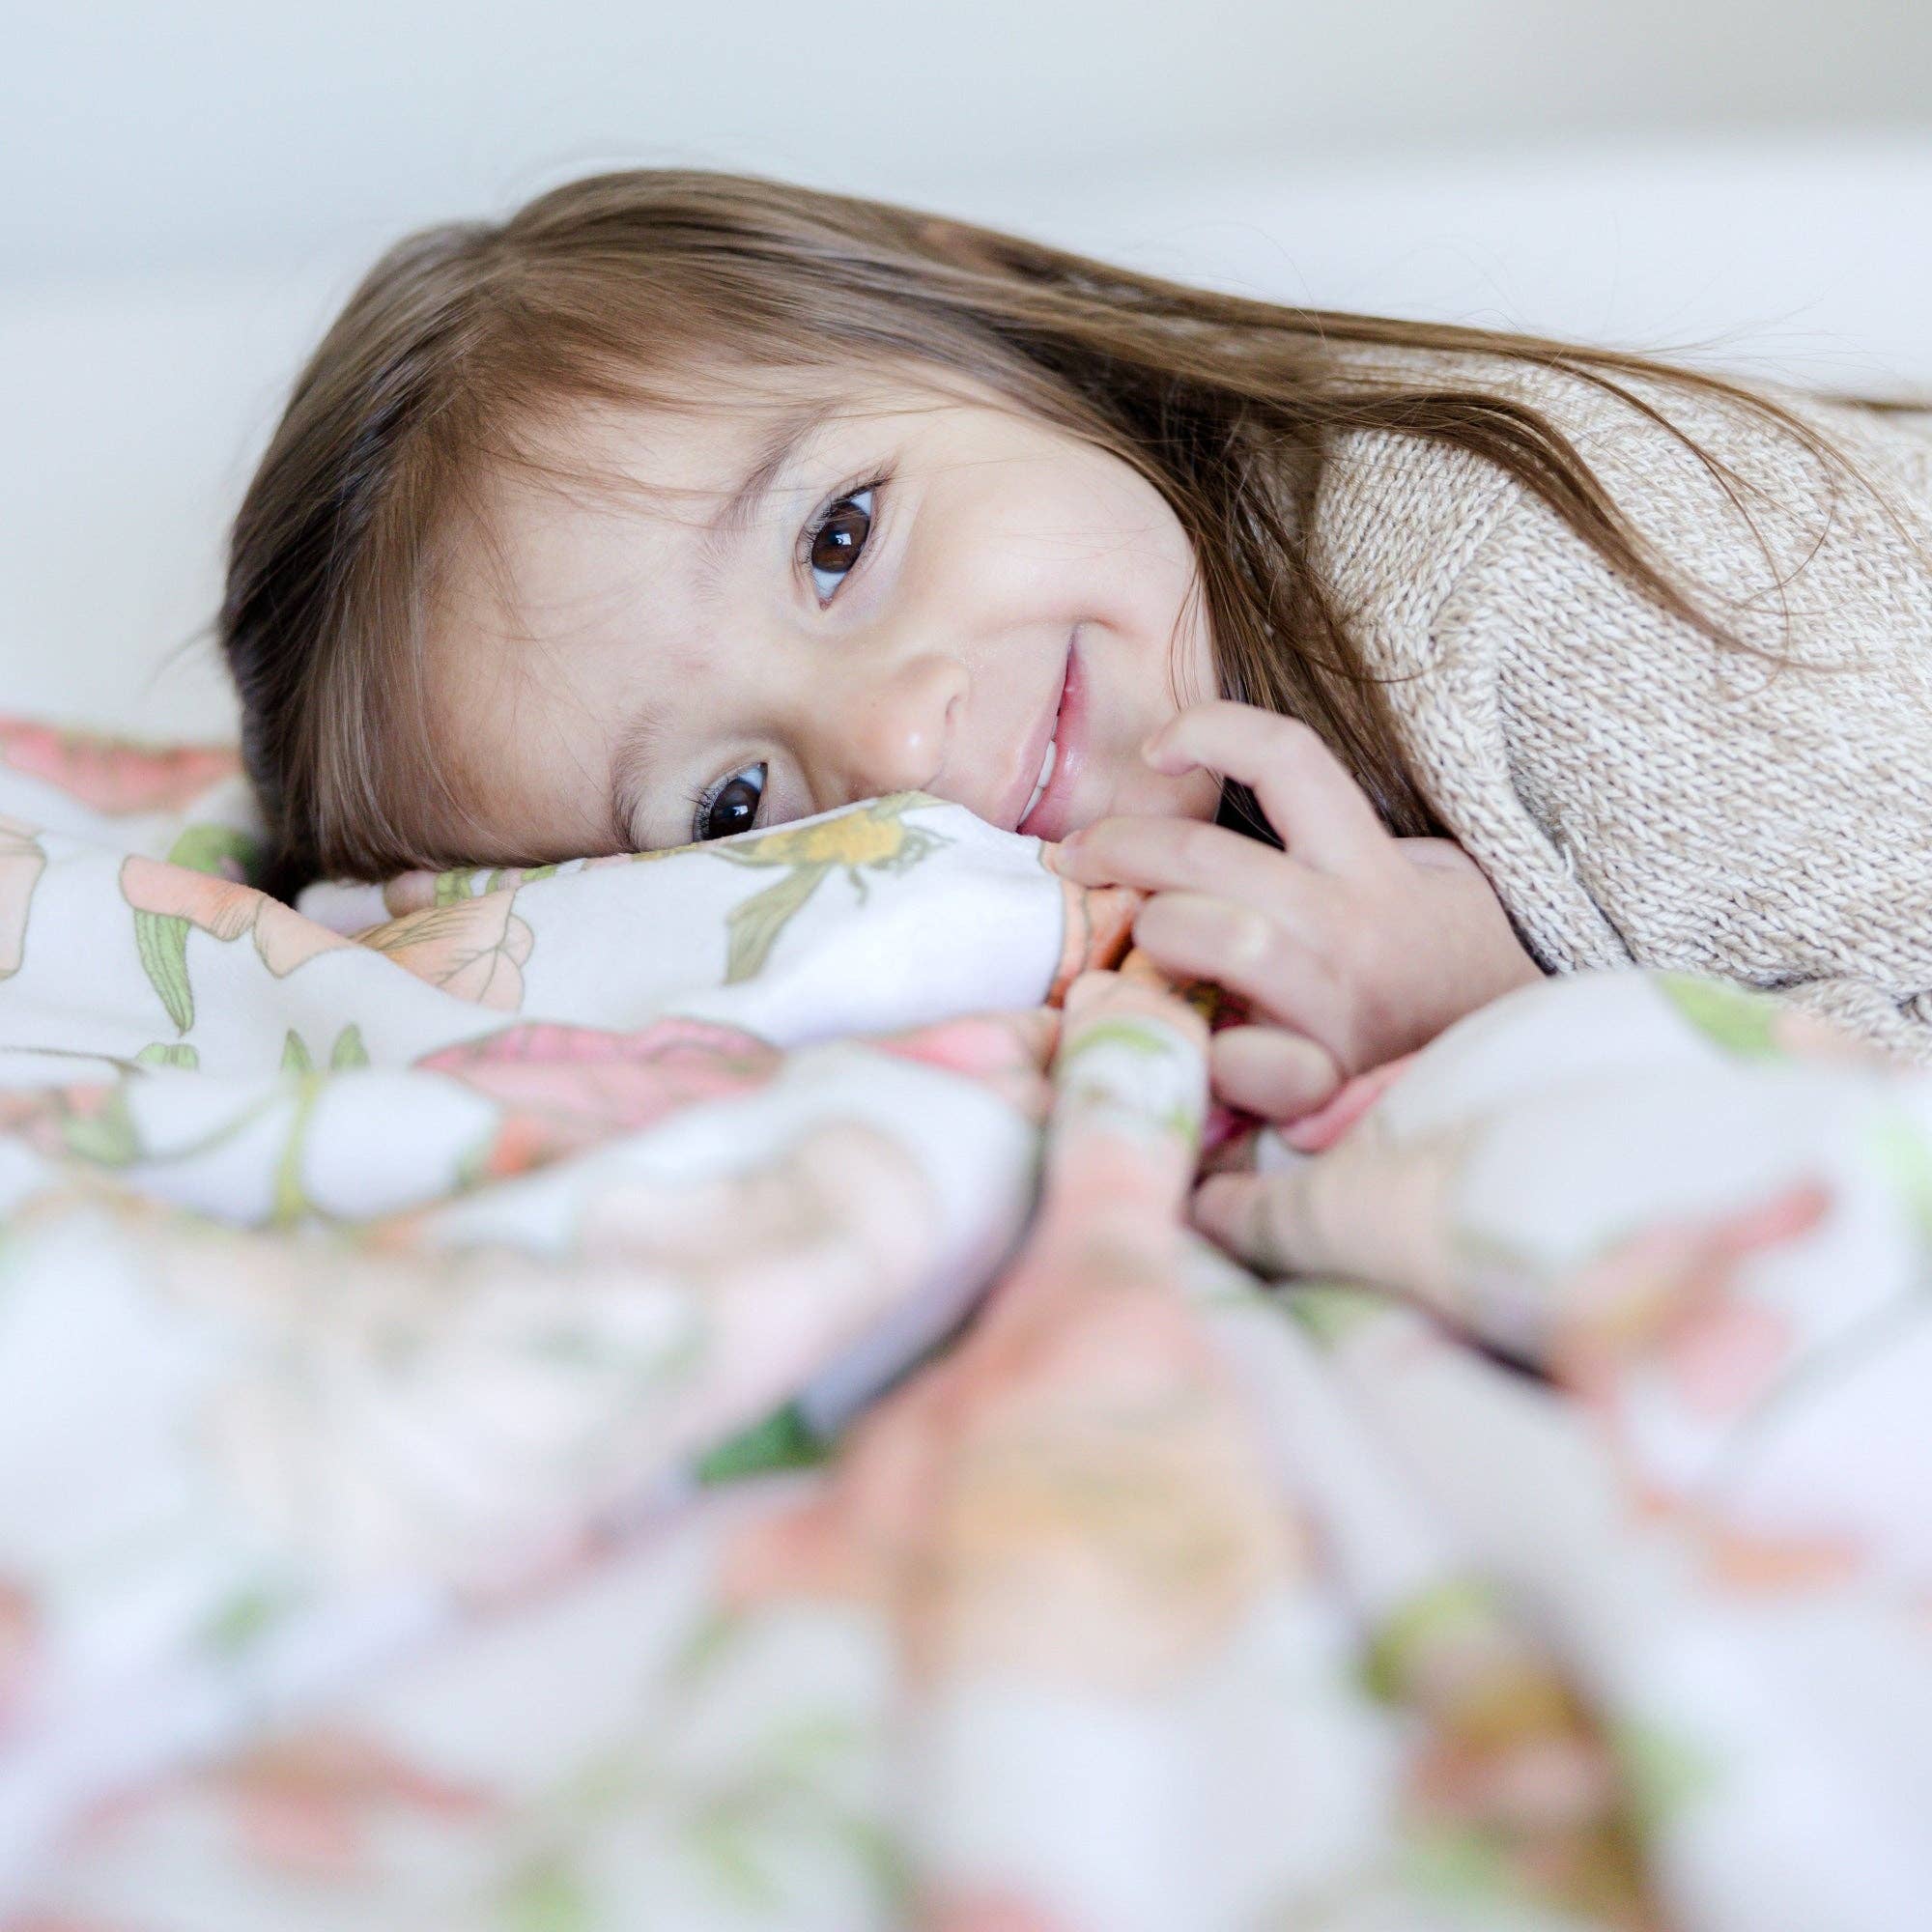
733	806
837	539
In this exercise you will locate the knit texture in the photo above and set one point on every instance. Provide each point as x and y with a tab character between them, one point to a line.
1635	792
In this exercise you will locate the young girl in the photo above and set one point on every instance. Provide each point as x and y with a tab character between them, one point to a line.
683	503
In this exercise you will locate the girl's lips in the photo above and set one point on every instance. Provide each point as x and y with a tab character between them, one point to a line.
1051	818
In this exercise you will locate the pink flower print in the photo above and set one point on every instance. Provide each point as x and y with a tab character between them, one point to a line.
20	1637
860	1534
225	910
1666	1293
309	1806
1097	924
1096	1512
1005	1051
568	1087
991	1912
415	892
806	1552
114	776
1809	1036
167	899
21	863
1100	1521
90	1120
1744	1559
1724	1355
1751	1561
475	949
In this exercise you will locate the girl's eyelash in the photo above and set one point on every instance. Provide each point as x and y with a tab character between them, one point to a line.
704	799
810	535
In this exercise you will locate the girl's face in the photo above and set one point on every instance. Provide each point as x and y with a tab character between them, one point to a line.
805	607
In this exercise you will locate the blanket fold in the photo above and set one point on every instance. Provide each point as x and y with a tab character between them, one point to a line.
680	1390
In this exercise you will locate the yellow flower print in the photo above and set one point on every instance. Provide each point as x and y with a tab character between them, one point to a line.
475	949
873	838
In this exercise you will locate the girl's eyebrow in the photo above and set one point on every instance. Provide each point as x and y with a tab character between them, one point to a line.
738	510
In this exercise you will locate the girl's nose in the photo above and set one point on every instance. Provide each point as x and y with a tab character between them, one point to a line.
895	732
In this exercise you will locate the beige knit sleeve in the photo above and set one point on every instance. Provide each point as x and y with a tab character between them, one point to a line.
1722	814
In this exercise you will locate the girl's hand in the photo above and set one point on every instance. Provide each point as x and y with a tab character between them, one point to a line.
1359	947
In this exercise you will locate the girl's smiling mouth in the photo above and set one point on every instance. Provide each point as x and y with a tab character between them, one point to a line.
1047	813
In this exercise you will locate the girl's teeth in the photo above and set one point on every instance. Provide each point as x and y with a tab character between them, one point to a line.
1045	778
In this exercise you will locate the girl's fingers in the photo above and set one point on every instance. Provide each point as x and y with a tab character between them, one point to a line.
1319	812
1260	1219
1197	936
1320	1130
1188	854
1437	855
1267	1070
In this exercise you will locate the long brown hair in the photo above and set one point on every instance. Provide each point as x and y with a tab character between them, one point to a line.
464	339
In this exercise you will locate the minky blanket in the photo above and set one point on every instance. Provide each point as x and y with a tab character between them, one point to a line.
679	1392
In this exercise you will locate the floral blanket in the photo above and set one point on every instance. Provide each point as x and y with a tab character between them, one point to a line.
677	1393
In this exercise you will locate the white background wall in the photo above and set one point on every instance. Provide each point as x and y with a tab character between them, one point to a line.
187	191
145	133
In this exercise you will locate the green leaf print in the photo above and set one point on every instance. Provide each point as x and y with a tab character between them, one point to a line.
1458	1865
107	1136
1144	1039
725	1839
479	881
174	1053
219	849
713	1638
291	1201
243	1620
1732	1017
161	941
545	1897
1435	1614
1900	1150
1332	1310
879	1853
345	1055
752	927
872	838
782	1440
1663	1771
348	1052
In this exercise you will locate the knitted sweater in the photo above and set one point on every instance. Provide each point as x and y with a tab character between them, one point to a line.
1634	791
